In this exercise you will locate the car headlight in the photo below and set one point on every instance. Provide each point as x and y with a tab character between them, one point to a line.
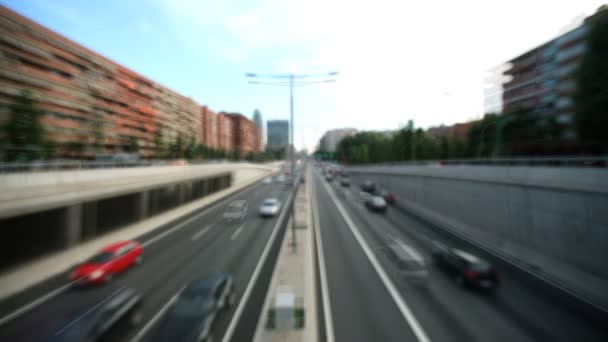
96	274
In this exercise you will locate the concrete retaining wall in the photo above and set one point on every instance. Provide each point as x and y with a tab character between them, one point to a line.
559	212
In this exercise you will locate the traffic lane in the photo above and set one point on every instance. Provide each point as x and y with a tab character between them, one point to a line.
160	259
238	254
361	307
56	281
530	308
461	311
514	310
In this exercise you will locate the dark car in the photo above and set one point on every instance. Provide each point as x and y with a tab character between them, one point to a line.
368	186
388	197
376	203
98	320
345	182
191	316
466	268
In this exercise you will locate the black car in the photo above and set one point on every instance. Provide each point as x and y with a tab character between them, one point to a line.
345	182
467	269
368	186
376	203
91	323
191	316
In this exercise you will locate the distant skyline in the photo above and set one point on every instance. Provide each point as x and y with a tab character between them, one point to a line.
424	61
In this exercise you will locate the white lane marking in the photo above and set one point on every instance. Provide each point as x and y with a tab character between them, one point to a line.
403	307
87	312
254	277
329	323
58	291
204	212
35	303
170	231
201	232
236	232
140	334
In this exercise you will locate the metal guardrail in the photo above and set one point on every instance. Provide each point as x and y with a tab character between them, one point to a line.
568	161
56	165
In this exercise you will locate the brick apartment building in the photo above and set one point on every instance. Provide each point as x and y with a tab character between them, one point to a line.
82	92
210	128
246	134
458	131
225	131
89	100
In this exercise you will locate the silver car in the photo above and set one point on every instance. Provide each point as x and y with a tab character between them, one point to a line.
236	211
410	263
270	207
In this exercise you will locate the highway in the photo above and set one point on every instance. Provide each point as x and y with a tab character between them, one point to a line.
367	296
195	246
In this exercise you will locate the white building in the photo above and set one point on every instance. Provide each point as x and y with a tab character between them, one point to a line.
332	138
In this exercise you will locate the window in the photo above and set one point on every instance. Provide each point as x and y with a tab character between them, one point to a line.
100	258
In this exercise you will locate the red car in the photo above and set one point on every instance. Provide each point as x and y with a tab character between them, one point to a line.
388	197
111	260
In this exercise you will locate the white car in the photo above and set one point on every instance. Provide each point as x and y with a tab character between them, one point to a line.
267	180
270	207
281	178
236	211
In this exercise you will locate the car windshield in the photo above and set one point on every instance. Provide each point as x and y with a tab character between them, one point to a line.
378	200
480	266
233	209
100	258
270	203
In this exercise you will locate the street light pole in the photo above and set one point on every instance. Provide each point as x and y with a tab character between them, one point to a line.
293	175
291	84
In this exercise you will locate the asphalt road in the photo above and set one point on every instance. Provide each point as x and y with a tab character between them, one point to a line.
194	247
444	311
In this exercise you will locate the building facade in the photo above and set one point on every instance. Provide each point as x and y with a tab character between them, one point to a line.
91	104
331	139
210	128
246	137
225	132
543	79
277	134
459	131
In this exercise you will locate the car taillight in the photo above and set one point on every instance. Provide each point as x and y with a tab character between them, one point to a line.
470	274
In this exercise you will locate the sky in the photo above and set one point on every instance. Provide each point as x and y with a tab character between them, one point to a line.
397	60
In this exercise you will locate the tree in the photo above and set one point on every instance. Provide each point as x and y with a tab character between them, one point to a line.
177	147
190	151
591	96
133	145
99	134
25	132
235	154
158	142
